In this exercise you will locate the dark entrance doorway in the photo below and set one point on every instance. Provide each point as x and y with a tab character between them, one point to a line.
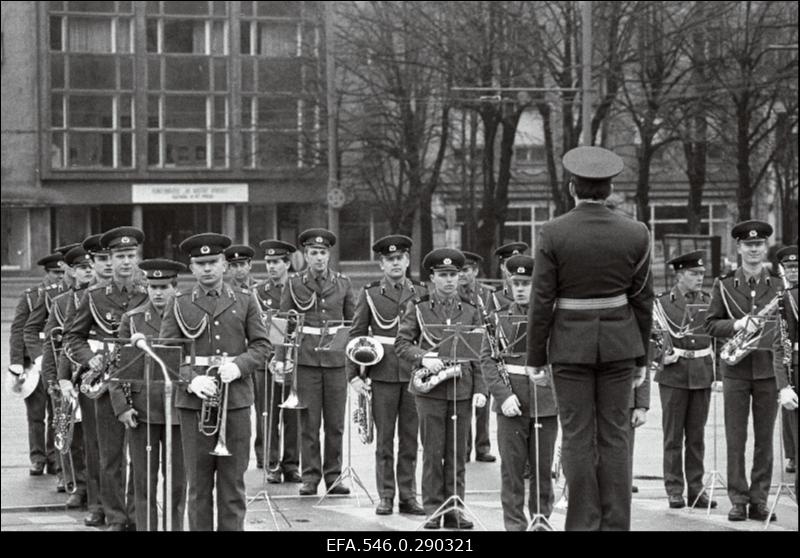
166	226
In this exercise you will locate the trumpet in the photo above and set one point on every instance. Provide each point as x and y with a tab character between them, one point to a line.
364	351
291	340
214	410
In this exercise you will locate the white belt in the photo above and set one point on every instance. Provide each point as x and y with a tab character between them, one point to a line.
383	340
592	303
794	348
318	330
700	353
208	360
517	369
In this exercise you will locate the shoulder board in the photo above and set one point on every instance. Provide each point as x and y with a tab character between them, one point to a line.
340	275
728	275
373	284
466	299
95	287
52	287
423	298
29	290
663	293
137	310
489	288
417	283
242	290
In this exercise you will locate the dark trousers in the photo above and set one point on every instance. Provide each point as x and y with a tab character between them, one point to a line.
91	453
683	419
155	461
593	405
739	395
438	462
201	469
324	392
482	443
393	405
116	479
517	445
789	420
39	411
289	439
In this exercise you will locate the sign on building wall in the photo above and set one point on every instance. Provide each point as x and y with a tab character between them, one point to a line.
190	193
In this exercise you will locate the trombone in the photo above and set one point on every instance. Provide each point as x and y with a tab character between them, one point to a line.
214	410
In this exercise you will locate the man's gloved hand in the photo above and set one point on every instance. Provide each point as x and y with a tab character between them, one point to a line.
360	386
67	389
479	400
716	386
203	386
538	375
16	369
745	322
788	398
96	362
128	418
671	358
638	417
511	406
229	372
278	369
639	376
433	364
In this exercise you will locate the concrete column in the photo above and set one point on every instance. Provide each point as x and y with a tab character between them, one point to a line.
229	220
39	234
245	225
137	220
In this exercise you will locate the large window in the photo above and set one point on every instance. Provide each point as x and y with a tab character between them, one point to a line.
188	112
91	85
671	219
279	48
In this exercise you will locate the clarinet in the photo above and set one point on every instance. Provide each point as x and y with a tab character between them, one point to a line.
783	331
494	345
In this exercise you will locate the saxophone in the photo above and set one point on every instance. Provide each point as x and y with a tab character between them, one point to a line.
745	342
425	380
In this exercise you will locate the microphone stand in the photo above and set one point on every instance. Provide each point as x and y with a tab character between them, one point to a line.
139	341
539	521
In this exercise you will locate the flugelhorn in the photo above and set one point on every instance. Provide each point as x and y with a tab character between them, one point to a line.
364	351
744	341
214	410
291	340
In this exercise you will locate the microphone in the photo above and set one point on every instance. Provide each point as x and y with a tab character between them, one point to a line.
139	340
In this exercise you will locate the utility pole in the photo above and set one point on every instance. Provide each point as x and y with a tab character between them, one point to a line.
586	74
334	196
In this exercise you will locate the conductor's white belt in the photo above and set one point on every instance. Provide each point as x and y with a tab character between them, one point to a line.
383	340
794	348
308	330
208	360
592	303
684	353
517	369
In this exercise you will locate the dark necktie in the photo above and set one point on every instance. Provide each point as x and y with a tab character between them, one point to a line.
212	293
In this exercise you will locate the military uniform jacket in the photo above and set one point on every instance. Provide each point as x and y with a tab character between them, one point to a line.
37	319
268	294
469	293
99	314
380	307
520	386
686	373
325	304
65	367
249	285
781	377
731	299
413	342
145	319
502	298
18	354
591	252
56	319
227	324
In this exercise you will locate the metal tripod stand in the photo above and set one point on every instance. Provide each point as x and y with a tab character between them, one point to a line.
266	421
454	503
539	521
714	475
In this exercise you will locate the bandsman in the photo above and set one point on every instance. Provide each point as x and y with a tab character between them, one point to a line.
503	297
437	406
470	289
80	263
225	324
143	413
735	299
787	379
98	315
685	381
590	320
380	307
240	263
516	412
283	465
327	300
